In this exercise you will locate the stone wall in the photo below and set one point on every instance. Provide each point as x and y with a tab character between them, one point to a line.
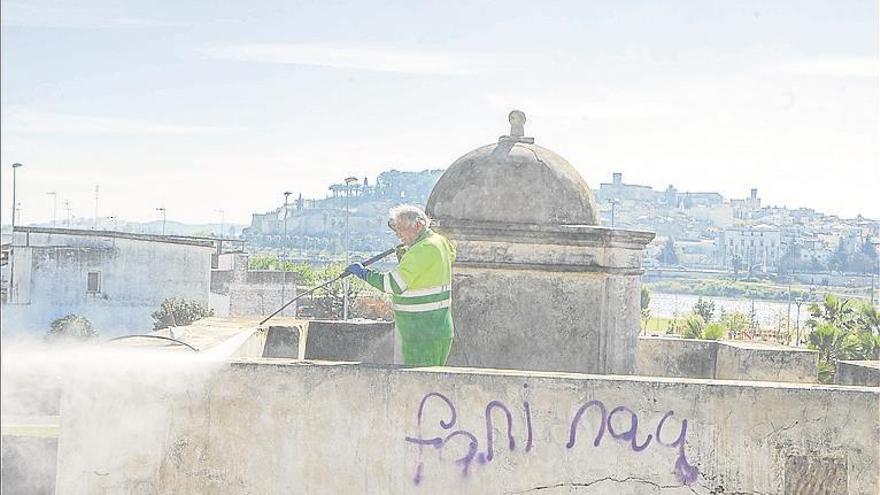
273	427
862	373
725	360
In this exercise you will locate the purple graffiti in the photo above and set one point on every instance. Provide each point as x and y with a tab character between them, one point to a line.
528	426
490	431
628	434
436	442
684	472
577	419
621	422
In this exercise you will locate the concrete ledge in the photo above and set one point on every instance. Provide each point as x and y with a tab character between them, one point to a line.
860	373
725	360
367	341
280	427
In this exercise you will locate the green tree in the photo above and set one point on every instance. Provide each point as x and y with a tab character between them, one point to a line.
645	306
704	309
179	312
842	329
669	254
329	301
833	344
736	324
713	331
71	327
693	327
832	310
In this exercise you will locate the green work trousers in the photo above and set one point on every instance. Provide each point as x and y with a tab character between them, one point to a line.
418	352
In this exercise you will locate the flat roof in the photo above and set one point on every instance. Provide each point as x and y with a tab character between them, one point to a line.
168	239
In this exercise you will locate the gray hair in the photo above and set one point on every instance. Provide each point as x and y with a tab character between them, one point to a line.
407	215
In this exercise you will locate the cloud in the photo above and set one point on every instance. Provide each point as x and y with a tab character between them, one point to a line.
22	120
377	58
833	67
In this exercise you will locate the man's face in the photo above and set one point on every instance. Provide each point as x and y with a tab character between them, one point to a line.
408	233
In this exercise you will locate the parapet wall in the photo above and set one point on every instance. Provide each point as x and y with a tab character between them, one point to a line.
725	360
277	426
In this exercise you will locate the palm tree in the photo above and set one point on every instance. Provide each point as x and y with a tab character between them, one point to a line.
833	310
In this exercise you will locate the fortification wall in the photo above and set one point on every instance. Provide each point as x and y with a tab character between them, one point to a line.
277	426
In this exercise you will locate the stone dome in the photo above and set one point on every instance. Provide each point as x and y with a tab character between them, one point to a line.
513	181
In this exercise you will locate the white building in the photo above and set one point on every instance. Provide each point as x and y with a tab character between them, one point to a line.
750	248
114	279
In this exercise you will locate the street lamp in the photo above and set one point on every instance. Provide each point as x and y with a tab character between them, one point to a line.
348	182
11	285
162	210
286	203
222	221
54	206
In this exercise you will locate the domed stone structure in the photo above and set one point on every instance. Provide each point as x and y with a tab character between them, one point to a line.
537	283
513	181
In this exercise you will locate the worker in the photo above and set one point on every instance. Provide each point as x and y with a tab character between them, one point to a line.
420	287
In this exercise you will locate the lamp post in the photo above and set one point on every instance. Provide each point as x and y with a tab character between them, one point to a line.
222	221
162	210
11	285
345	301
797	322
54	206
286	206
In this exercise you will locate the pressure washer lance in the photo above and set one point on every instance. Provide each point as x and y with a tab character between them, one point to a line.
339	277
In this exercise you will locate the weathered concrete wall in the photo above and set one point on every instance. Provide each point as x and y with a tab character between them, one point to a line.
297	428
725	360
861	373
756	361
28	465
366	341
677	357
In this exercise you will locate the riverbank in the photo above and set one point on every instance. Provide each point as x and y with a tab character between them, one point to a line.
761	291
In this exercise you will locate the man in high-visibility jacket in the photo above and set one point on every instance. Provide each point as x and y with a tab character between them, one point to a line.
420	288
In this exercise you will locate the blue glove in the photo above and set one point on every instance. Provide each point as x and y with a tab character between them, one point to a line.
357	270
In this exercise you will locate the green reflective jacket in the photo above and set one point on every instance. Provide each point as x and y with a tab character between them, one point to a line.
421	288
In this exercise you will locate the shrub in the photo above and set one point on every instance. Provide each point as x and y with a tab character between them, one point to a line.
72	327
713	331
179	312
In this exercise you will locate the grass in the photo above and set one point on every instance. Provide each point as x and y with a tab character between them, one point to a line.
658	324
748	290
40	431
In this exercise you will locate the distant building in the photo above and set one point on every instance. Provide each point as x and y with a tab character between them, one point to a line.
750	248
616	190
238	291
745	208
114	279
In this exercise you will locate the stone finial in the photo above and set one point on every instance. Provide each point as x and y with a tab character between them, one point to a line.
517	121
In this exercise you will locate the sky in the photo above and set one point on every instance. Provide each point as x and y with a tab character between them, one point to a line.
204	106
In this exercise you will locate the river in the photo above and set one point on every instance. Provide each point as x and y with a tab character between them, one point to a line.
767	312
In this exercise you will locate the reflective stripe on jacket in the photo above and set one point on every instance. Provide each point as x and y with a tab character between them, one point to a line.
421	288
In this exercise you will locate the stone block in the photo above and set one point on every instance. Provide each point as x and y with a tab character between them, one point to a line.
738	360
367	341
675	357
862	373
282	342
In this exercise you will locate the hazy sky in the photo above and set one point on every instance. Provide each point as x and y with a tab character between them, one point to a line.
199	106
